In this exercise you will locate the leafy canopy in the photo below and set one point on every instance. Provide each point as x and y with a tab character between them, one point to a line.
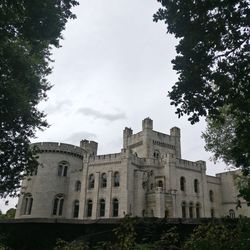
28	30
213	66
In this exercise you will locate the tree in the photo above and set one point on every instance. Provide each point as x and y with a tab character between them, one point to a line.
125	234
28	30
213	65
220	236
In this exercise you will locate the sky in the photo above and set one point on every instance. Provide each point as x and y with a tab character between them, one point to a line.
113	70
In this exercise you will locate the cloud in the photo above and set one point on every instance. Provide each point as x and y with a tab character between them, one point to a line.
58	107
76	137
100	115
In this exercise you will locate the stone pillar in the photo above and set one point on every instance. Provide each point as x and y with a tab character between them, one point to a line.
96	196
108	204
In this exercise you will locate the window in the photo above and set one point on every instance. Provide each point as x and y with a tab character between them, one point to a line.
89	208
28	202
156	154
62	168
198	208
91	181
160	183
151	186
191	213
183	184
102	208
211	195
212	213
152	212
231	214
115	207
104	180
183	209
116	179
78	186
196	186
58	205
75	209
143	212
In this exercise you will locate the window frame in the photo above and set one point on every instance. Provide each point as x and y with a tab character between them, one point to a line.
58	203
115	207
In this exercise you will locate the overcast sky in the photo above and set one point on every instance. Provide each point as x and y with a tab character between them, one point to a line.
113	70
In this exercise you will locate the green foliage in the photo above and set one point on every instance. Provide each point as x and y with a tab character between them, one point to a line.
243	184
64	245
10	214
227	138
125	234
213	64
169	240
28	30
210	236
220	236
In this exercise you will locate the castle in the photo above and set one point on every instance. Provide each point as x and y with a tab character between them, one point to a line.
148	178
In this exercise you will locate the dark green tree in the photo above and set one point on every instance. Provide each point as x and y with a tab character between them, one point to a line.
213	65
28	31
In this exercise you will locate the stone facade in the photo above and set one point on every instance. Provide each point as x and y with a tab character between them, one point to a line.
148	178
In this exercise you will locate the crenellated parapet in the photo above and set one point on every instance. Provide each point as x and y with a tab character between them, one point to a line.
196	166
145	162
57	147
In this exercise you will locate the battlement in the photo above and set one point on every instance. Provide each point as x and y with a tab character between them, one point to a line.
145	162
197	165
57	147
89	146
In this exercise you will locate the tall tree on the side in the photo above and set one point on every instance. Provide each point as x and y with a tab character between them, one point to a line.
28	31
213	66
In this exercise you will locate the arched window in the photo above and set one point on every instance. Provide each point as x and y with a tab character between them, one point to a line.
183	209
196	186
211	195
104	180
91	181
75	209
183	184
231	214
156	154
78	186
166	215
191	213
102	207
62	168
58	205
89	208
198	208
116	179
143	212
151	186
27	204
160	183
115	207
212	213
152	212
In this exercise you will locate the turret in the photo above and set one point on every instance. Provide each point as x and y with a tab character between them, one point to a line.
176	134
147	123
89	146
127	132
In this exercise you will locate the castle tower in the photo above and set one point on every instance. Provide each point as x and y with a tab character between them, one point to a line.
127	132
176	134
147	128
89	146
